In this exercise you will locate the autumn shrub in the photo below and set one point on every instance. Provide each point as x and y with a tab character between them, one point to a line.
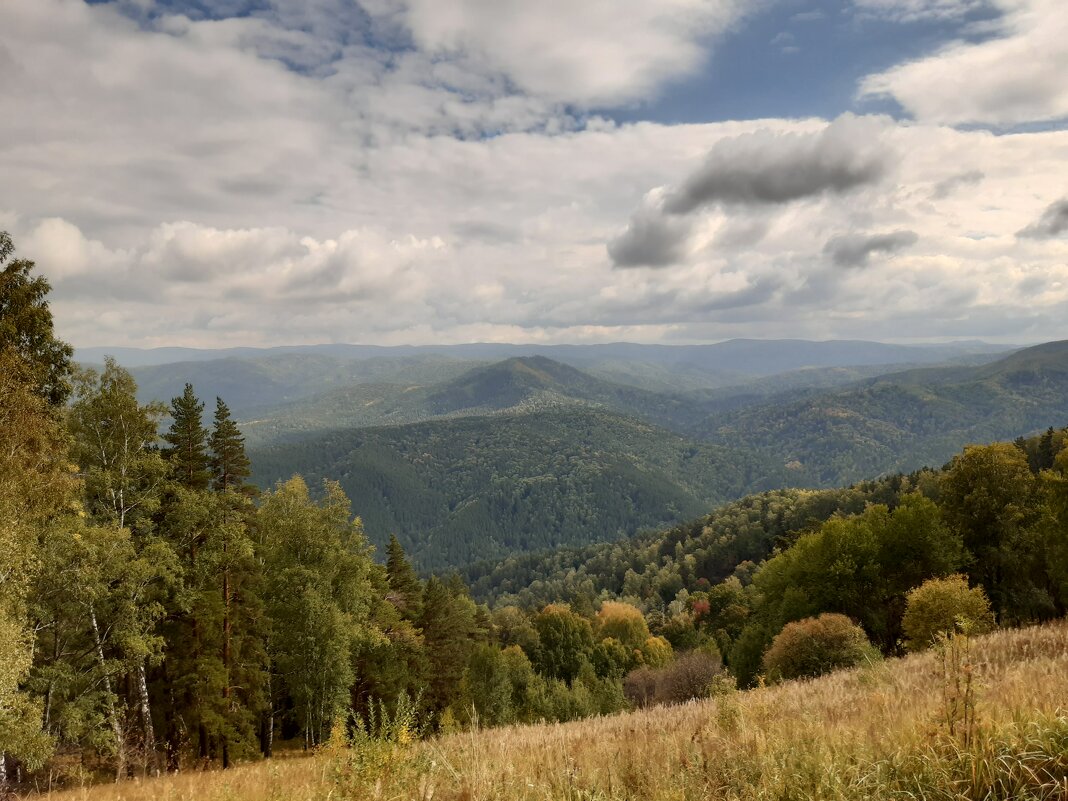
943	606
817	645
639	686
692	675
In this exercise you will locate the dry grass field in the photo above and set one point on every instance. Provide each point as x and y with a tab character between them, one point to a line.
995	726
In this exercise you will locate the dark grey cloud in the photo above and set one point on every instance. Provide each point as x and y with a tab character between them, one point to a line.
1053	222
766	168
651	240
950	185
760	169
1032	285
485	231
854	250
760	291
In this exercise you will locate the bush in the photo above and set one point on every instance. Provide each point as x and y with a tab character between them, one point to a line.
693	675
817	645
639	686
942	606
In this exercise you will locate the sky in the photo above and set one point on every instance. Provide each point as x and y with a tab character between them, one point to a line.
213	173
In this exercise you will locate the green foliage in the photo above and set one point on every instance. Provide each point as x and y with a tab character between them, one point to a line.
943	606
35	490
317	599
488	691
990	496
187	439
114	441
403	582
449	629
565	641
861	566
229	463
97	604
623	623
817	645
215	661
653	566
458	490
26	327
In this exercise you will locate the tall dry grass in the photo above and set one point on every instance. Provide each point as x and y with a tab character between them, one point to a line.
876	732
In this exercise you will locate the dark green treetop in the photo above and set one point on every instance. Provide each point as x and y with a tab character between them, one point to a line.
26	326
187	440
229	462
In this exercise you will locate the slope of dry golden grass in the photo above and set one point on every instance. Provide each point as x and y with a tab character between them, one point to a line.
874	732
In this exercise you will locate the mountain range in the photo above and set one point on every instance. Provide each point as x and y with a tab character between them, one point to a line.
467	458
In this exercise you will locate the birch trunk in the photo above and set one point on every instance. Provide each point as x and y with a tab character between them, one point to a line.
151	760
113	716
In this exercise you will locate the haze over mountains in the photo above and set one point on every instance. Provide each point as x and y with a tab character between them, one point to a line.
474	452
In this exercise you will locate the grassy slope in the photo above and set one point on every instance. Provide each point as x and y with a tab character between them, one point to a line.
871	733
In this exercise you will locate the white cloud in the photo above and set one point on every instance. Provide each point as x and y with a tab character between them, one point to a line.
595	52
1014	77
181	185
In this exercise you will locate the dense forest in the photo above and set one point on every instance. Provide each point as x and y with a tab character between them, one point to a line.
473	488
158	611
572	460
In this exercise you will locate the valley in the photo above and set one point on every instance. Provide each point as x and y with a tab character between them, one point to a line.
466	461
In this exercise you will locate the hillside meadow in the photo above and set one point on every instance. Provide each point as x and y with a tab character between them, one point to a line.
981	719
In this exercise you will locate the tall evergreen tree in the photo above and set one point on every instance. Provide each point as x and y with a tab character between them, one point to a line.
26	327
1045	450
229	462
404	585
214	666
447	623
187	440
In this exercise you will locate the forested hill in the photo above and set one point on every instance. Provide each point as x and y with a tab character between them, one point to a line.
459	490
519	384
526	380
902	421
531	453
652	567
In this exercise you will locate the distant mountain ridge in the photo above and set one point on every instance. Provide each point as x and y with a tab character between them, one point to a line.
254	379
745	356
474	458
905	420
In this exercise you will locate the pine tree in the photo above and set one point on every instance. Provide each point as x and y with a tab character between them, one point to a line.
448	627
187	437
404	585
26	327
1045	450
214	666
229	462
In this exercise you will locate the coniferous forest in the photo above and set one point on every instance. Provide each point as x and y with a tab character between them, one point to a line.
159	612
